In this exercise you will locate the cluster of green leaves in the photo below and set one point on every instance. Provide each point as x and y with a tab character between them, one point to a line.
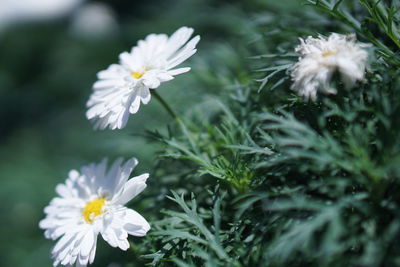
269	179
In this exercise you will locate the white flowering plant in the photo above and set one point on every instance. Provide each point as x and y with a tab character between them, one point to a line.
290	156
301	163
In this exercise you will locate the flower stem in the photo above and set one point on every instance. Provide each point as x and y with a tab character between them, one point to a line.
177	119
165	105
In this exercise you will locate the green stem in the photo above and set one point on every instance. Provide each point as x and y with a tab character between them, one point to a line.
177	119
165	105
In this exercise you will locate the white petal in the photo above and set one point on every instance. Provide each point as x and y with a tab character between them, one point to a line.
134	107
178	71
145	95
151	82
87	243
127	60
63	242
123	119
63	190
92	253
131	189
110	237
135	224
187	51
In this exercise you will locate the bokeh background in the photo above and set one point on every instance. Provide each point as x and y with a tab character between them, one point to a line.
50	52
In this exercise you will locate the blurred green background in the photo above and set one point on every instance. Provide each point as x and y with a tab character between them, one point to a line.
48	62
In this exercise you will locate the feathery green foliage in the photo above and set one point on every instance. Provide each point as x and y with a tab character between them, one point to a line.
277	180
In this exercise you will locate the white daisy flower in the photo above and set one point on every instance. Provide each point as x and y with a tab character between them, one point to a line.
90	203
321	57
122	87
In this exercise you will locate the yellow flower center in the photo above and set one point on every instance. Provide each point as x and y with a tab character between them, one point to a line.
137	74
329	53
93	209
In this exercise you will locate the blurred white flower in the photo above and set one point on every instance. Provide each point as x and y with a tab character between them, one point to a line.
94	20
90	203
122	87
321	57
15	11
